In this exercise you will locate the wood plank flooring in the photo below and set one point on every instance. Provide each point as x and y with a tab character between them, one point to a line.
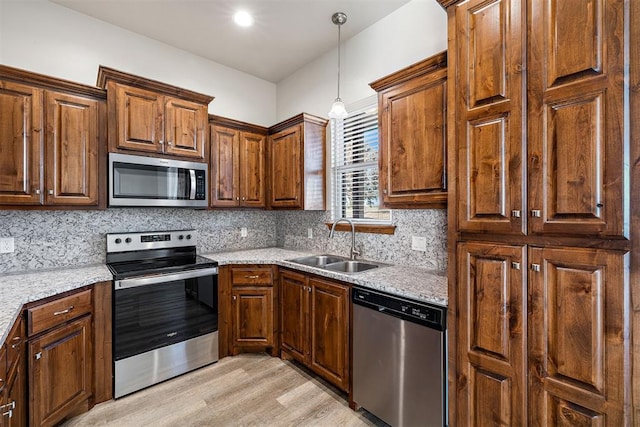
244	390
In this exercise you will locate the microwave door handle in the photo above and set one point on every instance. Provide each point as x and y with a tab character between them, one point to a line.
192	186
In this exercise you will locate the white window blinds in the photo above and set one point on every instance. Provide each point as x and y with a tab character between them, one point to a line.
355	165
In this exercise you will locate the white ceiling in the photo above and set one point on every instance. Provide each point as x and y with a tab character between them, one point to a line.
287	34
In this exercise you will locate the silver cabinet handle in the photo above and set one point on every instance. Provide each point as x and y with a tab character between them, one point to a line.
252	277
235	297
65	311
237	198
169	143
536	213
39	355
50	191
161	142
243	198
535	267
37	191
515	213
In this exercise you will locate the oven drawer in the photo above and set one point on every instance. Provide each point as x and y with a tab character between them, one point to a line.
56	312
251	276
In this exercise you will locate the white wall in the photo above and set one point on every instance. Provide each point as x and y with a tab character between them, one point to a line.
414	32
44	37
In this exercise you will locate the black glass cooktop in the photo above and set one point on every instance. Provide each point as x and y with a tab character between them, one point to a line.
143	267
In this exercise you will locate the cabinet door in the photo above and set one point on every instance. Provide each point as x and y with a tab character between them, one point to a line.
285	157
329	330
252	169
60	372
294	302
252	317
224	167
71	150
185	128
576	123
578	347
139	119
489	115
413	143
492	335
20	144
16	395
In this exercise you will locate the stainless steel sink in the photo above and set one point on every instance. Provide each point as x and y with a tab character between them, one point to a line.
351	266
336	263
318	260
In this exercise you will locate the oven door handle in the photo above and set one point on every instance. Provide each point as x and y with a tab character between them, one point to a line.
163	278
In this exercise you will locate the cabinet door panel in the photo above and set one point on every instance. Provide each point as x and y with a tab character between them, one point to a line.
139	119
491	330
329	330
252	169
16	391
576	347
285	158
20	144
252	316
224	167
61	371
413	146
185	128
71	150
575	118
489	116
294	315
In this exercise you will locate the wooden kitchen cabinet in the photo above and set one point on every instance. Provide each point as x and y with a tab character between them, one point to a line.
315	325
51	133
238	164
577	364
13	396
153	118
489	121
492	334
252	310
296	153
60	358
557	129
413	136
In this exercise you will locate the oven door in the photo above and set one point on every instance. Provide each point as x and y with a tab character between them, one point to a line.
158	311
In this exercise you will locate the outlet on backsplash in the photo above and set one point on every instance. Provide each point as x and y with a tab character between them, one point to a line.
7	245
243	232
419	243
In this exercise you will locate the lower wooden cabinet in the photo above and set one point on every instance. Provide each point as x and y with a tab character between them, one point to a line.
542	336
13	387
315	325
252	310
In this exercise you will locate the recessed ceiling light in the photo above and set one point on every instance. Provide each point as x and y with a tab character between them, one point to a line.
243	18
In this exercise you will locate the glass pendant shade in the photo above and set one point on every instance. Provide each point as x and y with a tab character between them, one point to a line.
338	111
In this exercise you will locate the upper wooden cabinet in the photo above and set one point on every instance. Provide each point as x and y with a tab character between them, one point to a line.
577	167
154	118
51	134
237	159
489	63
413	137
296	153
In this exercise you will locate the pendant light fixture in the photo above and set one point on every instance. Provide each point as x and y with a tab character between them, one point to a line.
338	111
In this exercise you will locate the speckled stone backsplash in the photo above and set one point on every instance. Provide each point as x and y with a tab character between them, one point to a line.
396	249
45	239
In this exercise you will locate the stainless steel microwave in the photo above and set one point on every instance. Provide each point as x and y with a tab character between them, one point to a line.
149	181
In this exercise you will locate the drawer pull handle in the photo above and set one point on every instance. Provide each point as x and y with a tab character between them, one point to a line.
16	345
65	311
39	355
255	276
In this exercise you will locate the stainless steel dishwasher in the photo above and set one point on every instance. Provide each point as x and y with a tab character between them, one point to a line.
399	359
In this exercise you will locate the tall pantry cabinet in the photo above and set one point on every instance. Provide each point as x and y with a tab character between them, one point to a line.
542	223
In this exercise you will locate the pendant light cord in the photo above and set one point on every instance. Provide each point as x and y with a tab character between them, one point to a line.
339	27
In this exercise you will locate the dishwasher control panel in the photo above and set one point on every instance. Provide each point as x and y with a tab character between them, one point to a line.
415	311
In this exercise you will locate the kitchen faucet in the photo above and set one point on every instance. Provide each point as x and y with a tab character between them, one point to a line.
354	251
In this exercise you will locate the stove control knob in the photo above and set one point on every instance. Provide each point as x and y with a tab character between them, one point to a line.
188	236
127	240
180	237
118	240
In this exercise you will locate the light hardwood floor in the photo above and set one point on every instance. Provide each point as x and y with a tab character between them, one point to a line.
245	390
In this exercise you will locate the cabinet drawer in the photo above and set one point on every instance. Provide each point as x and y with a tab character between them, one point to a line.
15	342
56	312
252	276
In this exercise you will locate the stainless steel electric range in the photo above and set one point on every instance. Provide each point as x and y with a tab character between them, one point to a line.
165	307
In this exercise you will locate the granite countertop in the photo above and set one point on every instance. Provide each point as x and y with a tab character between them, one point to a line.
411	282
17	289
20	288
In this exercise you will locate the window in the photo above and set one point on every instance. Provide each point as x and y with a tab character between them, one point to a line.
354	162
